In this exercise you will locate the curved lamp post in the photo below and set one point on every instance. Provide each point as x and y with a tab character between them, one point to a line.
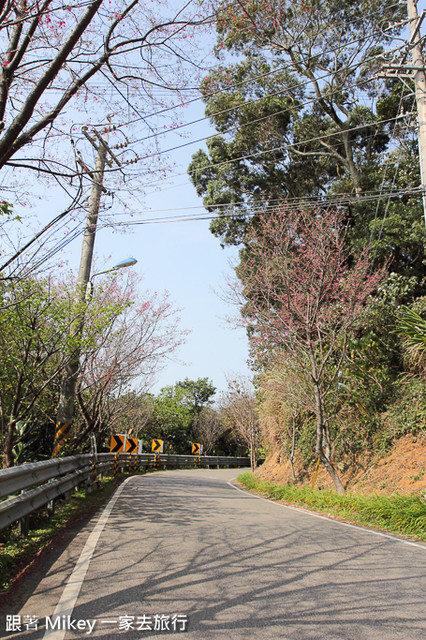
128	262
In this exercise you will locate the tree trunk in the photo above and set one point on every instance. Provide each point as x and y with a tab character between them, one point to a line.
252	457
293	447
319	444
9	443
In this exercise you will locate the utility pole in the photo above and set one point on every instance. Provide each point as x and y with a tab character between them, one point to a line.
65	409
416	72
420	83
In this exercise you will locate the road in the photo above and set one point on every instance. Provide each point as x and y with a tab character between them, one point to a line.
185	554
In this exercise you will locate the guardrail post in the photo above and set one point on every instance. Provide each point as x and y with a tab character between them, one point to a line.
51	504
24	523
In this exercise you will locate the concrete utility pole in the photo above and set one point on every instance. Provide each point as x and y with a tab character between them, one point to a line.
415	71
420	83
65	409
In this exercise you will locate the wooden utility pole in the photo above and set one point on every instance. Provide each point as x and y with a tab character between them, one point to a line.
65	409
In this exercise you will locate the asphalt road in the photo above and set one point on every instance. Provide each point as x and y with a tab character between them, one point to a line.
184	554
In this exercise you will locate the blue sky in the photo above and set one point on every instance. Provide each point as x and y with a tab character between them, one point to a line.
185	259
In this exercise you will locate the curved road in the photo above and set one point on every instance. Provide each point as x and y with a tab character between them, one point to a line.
186	554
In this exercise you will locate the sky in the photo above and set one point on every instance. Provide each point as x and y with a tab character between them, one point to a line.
186	260
183	258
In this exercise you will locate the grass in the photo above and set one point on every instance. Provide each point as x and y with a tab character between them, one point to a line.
399	514
17	552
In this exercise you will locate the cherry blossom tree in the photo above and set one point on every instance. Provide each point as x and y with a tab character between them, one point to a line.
99	56
128	335
127	351
304	295
238	407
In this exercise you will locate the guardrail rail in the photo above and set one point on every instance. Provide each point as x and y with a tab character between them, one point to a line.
26	488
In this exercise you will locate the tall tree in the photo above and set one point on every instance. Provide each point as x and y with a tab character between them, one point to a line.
301	117
33	327
122	350
303	299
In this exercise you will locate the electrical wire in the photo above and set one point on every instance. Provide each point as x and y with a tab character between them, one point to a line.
249	81
258	120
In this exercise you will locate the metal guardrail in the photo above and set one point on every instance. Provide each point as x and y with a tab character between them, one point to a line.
39	483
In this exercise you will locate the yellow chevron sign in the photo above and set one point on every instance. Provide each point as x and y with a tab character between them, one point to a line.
131	445
157	446
196	446
117	443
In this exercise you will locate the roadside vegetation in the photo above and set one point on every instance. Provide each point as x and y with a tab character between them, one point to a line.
398	514
330	284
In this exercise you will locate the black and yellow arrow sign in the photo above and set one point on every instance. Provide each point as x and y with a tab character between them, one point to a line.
157	446
131	445
196	448
117	443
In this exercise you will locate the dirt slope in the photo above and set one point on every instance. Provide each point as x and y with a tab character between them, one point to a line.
403	470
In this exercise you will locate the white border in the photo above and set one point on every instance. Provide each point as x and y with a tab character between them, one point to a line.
72	589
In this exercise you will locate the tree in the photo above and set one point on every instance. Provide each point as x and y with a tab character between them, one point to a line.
171	420
293	124
33	327
281	412
207	428
238	406
304	297
55	54
198	396
127	335
176	412
126	350
199	393
134	411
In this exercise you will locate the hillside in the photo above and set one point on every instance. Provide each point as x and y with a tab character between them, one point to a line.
401	470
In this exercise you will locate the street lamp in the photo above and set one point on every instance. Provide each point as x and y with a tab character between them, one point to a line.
127	262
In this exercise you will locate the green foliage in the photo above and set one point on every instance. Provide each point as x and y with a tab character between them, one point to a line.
406	413
33	326
34	441
295	82
412	329
6	209
403	514
175	409
197	393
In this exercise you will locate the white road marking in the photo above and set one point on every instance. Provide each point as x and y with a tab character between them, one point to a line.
71	591
247	493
